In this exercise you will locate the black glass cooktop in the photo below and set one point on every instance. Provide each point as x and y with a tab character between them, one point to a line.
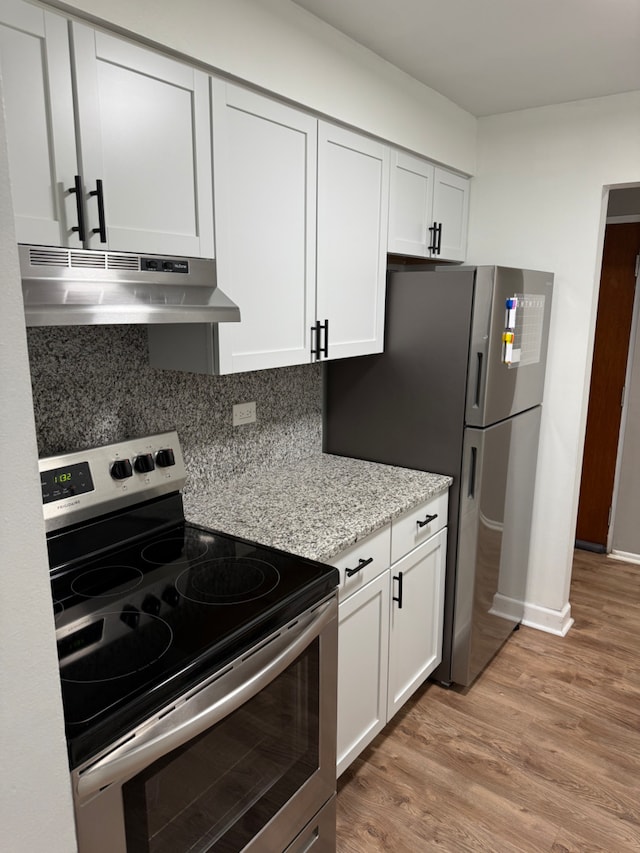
140	624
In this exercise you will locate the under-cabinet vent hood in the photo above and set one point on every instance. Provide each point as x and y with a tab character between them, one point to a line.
72	287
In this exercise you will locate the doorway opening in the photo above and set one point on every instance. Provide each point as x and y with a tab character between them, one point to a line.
612	379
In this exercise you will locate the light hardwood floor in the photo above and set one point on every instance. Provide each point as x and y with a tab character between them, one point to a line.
541	754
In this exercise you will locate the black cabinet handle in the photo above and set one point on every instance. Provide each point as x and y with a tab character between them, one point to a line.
316	349
398	598
439	238
324	350
361	564
427	520
80	227
433	240
102	229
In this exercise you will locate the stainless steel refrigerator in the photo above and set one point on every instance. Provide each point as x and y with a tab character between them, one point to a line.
458	391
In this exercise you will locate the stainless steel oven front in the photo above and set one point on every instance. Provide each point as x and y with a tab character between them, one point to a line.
245	761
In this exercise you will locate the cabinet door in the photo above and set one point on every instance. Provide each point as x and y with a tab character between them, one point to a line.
451	211
353	205
144	131
410	205
415	636
36	73
265	203
363	638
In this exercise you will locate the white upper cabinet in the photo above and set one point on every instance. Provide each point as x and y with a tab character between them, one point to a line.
144	131
301	212
410	205
109	143
353	204
265	201
451	214
36	77
428	210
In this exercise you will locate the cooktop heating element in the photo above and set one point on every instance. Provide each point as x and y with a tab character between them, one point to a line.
145	602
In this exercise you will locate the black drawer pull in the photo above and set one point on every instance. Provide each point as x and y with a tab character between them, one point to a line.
361	564
427	520
398	598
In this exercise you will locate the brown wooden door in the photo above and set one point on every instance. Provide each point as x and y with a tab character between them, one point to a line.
610	353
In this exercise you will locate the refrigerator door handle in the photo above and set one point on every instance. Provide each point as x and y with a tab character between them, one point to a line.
472	472
476	399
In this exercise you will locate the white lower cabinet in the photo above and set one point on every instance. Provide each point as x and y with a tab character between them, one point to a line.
415	634
363	648
390	622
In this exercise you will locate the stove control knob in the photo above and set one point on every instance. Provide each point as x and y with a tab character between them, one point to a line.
130	616
144	463
151	604
121	469
171	595
165	458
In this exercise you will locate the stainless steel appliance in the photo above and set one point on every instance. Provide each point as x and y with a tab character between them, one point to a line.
198	670
458	391
71	287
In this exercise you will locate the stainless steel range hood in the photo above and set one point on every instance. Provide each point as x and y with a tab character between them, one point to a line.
71	287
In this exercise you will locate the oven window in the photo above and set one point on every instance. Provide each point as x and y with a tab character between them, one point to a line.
218	791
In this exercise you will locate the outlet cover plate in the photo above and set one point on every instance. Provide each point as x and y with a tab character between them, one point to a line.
244	413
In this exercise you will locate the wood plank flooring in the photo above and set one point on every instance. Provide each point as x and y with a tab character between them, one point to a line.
540	755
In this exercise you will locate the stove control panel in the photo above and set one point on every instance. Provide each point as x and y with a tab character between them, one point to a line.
84	484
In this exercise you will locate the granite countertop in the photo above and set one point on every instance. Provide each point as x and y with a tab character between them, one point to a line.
315	507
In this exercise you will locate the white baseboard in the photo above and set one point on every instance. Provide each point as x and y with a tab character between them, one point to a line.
544	619
507	608
627	556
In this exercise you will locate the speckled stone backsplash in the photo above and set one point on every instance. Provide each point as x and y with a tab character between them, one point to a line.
93	385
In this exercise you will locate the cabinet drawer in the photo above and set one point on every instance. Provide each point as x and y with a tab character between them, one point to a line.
409	529
372	553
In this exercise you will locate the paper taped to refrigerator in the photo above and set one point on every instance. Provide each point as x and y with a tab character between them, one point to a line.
524	327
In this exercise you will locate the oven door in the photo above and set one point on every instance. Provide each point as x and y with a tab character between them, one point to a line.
243	762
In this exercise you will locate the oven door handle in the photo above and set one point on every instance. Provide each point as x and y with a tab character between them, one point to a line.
207	706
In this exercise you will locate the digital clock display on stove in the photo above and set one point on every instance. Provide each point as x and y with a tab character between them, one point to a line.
60	483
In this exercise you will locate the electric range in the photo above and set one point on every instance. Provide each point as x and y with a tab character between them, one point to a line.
147	604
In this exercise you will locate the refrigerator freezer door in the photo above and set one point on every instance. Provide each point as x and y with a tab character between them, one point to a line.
496	390
496	501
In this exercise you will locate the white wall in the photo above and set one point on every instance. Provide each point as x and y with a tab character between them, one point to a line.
280	47
538	201
35	793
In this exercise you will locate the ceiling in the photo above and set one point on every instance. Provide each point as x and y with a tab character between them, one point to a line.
493	56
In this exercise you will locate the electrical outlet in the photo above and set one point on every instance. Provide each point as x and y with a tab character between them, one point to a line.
244	413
